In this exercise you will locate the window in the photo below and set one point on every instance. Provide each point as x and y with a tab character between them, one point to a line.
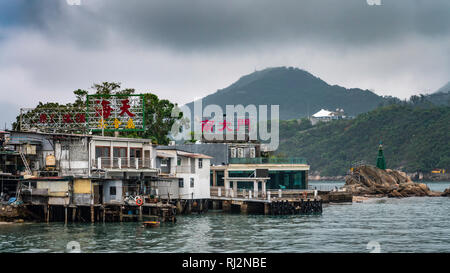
240	152
192	182
200	163
233	152
101	151
164	162
112	190
120	151
181	182
178	161
252	152
136	152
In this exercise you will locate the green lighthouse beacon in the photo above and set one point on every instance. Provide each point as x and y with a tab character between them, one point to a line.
381	163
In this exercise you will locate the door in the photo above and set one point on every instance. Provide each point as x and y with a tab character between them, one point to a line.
147	162
104	153
97	194
136	153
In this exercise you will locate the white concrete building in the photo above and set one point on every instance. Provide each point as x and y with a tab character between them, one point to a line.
122	157
183	175
88	156
326	115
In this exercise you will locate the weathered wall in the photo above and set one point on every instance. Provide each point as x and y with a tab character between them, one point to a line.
107	197
201	189
54	187
166	187
82	186
82	198
58	191
72	156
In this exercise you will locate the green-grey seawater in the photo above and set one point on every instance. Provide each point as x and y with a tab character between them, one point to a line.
416	224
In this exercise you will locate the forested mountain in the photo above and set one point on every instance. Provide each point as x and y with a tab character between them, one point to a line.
415	138
298	93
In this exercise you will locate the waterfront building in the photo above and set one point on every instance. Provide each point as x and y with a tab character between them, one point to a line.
245	166
183	175
86	176
107	169
10	167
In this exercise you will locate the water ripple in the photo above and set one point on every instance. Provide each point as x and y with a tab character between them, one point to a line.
399	225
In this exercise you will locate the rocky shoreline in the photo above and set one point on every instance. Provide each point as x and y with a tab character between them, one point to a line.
326	178
371	181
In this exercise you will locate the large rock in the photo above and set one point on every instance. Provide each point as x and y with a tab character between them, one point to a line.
12	212
446	192
369	180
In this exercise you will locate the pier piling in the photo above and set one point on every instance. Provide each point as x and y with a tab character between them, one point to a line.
92	214
74	214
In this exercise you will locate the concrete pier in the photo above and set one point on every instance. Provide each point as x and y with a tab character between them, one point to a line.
273	207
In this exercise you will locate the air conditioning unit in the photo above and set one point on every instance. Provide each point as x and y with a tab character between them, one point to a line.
240	152
233	152
252	152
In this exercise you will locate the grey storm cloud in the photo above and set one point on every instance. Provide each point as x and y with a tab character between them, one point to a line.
206	24
183	50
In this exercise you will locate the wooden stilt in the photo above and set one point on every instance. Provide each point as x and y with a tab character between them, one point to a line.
74	214
266	209
104	214
44	208
200	209
65	215
140	213
48	213
244	208
92	214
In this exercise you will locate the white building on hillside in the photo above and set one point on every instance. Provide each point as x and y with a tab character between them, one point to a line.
326	115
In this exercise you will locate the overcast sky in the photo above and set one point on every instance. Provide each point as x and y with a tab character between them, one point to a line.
185	49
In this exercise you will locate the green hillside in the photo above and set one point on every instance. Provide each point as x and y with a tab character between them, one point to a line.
440	98
415	138
298	93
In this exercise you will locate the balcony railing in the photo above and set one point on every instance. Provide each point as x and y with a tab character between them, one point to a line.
121	163
184	169
217	191
269	160
270	195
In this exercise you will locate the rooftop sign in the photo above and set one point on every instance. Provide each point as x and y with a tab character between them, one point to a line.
101	113
115	113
